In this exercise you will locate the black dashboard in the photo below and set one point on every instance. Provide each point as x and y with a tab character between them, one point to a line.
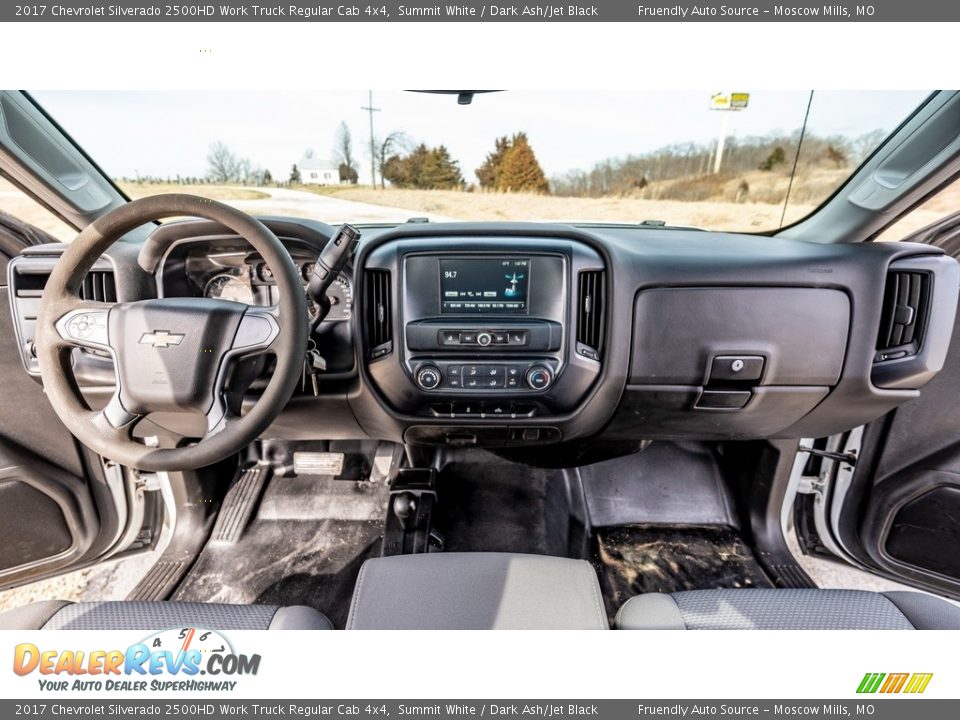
514	335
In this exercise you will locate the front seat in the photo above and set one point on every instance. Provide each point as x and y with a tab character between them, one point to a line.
476	591
130	615
784	609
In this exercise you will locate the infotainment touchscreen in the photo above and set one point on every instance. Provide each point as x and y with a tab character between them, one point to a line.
484	285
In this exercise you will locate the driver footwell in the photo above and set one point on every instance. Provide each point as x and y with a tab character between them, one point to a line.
303	546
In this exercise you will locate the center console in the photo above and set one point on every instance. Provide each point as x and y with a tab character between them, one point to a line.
485	331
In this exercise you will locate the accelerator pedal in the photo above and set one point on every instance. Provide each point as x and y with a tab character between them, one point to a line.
239	504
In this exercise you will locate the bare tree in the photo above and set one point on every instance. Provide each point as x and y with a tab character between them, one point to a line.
343	147
394	143
223	165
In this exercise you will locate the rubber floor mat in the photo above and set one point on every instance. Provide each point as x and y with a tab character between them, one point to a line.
637	559
490	505
304	546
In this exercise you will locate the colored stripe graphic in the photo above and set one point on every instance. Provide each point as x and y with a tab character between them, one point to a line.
895	682
918	682
913	683
870	682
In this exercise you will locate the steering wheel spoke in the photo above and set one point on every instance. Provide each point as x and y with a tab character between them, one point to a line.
116	419
256	333
86	326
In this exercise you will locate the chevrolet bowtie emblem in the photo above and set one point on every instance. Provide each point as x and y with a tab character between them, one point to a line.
161	338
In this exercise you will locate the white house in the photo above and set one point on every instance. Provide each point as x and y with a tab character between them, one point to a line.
314	171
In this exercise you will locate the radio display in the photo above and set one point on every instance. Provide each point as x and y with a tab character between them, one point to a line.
484	285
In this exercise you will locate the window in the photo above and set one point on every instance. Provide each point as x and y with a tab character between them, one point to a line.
15	202
945	203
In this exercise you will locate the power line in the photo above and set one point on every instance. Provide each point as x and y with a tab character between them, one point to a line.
373	153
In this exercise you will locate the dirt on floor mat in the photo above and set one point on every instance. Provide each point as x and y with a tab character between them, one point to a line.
305	546
637	559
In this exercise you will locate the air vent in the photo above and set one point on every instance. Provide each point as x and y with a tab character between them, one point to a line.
905	302
98	285
377	313
590	296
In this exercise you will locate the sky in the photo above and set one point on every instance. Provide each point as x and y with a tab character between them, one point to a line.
165	134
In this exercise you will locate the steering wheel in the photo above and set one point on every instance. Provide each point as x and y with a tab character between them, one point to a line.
170	354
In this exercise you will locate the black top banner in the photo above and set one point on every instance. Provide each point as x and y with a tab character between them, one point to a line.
477	11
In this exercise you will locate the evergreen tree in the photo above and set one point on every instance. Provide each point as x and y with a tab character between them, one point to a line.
488	172
520	171
295	174
439	171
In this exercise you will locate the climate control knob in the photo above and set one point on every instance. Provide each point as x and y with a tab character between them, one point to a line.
429	377
539	377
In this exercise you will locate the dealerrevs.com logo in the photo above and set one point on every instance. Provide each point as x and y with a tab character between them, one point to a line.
181	660
888	683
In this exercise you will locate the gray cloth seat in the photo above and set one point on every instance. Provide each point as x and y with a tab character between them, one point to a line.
476	591
785	609
62	615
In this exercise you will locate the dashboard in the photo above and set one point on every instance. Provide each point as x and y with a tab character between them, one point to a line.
509	335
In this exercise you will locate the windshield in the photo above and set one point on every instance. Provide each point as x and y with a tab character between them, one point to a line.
746	161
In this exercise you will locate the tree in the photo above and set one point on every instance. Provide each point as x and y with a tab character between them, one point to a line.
440	171
424	168
836	155
488	172
348	174
520	171
387	148
294	175
267	178
776	158
222	164
343	152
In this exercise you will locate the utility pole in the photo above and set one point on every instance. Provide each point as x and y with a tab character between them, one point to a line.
373	151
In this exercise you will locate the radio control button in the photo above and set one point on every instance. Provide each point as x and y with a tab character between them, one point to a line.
468	338
517	337
499	338
449	338
484	339
429	377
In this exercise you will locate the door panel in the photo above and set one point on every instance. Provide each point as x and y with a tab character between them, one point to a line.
902	516
54	514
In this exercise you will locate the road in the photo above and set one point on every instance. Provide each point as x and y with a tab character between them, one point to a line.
300	203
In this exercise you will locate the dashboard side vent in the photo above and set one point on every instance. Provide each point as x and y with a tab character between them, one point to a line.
590	300
377	313
99	286
906	301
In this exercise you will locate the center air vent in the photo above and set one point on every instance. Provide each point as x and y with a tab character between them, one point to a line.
590	297
905	305
377	313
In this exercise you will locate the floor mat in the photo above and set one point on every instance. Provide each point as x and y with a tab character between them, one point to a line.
665	484
636	559
486	504
304	546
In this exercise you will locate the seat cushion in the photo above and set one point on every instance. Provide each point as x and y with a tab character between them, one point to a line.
60	615
476	591
786	609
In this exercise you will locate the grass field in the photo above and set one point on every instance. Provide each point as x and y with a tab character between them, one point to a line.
720	209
